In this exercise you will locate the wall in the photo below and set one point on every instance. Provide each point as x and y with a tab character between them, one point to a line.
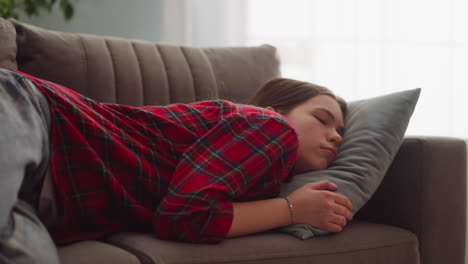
182	22
139	19
218	23
203	22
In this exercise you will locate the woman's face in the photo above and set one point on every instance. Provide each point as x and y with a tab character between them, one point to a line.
319	124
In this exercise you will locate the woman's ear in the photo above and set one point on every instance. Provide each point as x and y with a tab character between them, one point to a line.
270	108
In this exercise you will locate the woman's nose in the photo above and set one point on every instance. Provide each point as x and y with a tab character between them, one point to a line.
335	137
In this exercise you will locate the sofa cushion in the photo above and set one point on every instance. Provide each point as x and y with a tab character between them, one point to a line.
135	72
360	242
8	40
91	251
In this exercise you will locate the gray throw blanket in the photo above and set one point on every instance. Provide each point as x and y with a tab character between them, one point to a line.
24	153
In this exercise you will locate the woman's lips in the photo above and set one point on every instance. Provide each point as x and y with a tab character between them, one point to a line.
331	152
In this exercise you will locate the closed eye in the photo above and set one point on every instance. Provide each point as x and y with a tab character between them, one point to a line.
321	120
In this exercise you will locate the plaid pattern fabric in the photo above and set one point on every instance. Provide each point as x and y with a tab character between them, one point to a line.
171	170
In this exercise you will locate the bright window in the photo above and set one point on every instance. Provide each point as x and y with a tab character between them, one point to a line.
364	48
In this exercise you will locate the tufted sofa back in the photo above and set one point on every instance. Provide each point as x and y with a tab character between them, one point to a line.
135	72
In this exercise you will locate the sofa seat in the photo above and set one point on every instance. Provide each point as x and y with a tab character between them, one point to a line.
361	242
91	251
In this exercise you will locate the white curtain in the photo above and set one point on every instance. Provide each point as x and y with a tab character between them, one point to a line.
363	48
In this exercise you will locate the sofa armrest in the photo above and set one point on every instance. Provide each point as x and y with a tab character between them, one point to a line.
424	191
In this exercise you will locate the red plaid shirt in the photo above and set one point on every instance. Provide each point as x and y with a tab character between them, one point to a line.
172	170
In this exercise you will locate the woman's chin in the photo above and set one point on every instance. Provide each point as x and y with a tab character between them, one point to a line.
324	165
313	167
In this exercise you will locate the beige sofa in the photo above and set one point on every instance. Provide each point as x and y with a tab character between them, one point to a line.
418	215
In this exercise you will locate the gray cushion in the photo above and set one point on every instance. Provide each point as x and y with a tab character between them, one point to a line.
374	130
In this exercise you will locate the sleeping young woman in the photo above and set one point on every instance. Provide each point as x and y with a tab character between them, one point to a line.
198	172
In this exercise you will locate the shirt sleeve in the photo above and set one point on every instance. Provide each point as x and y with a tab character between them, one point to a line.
241	158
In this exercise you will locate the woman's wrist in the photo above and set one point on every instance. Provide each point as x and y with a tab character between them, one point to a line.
259	216
291	210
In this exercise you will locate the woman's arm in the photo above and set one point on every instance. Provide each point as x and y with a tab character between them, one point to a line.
258	216
242	158
313	204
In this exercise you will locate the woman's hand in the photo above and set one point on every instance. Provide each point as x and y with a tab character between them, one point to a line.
315	205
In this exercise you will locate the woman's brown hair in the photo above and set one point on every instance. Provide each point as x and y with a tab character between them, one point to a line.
284	94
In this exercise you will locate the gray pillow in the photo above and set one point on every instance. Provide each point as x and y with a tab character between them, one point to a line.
374	131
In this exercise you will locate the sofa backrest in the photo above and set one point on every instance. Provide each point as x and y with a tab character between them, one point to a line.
135	72
7	45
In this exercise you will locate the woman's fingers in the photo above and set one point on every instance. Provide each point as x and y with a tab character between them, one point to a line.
342	200
332	227
335	223
341	210
338	219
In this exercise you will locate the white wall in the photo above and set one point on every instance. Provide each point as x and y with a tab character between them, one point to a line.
139	19
182	22
204	22
218	23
